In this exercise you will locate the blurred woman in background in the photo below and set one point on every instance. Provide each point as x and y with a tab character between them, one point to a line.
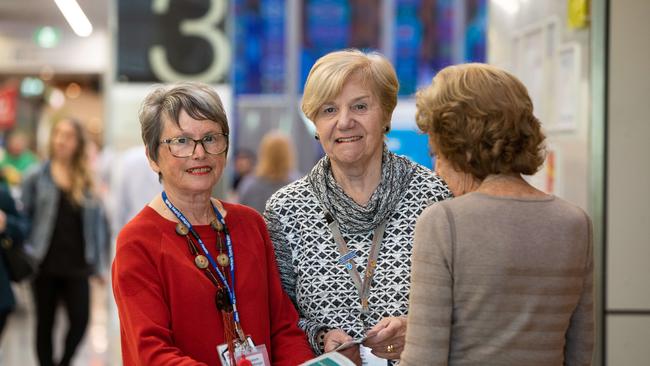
275	169
69	237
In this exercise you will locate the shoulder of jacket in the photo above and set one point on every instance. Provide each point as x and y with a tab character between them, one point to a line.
290	191
425	177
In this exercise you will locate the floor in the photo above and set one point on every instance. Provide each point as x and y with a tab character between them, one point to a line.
101	344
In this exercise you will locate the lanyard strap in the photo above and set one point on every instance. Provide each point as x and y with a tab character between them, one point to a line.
230	289
347	258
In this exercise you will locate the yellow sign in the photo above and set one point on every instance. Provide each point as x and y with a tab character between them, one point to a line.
578	13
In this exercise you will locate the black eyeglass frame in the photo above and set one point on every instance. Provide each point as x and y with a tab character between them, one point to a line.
196	142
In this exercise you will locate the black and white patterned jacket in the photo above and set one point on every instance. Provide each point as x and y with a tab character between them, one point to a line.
307	255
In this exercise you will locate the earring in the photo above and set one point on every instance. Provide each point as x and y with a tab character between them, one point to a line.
386	129
316	137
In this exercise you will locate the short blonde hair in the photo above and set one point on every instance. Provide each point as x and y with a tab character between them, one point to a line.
330	72
480	118
276	157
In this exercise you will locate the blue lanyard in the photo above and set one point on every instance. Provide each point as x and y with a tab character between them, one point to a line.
186	222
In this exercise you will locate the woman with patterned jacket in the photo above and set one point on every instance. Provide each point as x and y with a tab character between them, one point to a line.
343	234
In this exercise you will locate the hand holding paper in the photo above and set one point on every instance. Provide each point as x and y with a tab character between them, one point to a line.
337	337
386	338
349	344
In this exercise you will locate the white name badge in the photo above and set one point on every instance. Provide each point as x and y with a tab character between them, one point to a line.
368	359
257	355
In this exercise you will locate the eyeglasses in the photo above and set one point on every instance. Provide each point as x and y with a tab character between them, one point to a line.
184	147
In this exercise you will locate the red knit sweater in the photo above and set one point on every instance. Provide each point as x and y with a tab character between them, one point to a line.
166	305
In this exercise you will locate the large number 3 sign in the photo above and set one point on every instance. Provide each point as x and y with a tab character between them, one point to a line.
204	27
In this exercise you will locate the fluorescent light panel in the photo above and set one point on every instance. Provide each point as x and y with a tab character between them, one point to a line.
75	17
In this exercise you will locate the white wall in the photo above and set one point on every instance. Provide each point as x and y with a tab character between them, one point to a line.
528	38
628	180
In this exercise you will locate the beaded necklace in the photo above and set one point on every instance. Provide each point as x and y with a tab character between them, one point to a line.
225	298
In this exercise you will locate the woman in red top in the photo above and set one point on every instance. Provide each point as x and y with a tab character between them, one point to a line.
192	273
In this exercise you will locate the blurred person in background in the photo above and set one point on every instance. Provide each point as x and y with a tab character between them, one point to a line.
17	157
343	234
276	162
69	237
101	160
504	274
193	274
244	165
135	184
13	229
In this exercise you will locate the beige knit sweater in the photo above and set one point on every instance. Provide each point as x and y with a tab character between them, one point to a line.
501	281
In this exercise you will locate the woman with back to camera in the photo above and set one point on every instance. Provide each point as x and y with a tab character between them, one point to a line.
69	237
343	233
275	168
195	277
504	274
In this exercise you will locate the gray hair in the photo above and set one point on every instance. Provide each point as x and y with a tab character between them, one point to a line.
200	101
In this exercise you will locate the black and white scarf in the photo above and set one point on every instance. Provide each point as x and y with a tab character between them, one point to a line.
396	174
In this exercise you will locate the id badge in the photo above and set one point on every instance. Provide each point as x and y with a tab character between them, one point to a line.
368	359
257	355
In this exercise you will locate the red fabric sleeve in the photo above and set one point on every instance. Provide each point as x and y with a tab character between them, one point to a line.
140	296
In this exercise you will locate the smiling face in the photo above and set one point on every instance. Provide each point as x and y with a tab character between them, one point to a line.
351	127
193	175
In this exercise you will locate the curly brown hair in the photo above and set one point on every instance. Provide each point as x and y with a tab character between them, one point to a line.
480	118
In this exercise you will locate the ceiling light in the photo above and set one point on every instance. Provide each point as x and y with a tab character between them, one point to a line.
75	17
509	6
47	37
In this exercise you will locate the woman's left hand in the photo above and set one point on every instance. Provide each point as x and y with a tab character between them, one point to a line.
386	338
